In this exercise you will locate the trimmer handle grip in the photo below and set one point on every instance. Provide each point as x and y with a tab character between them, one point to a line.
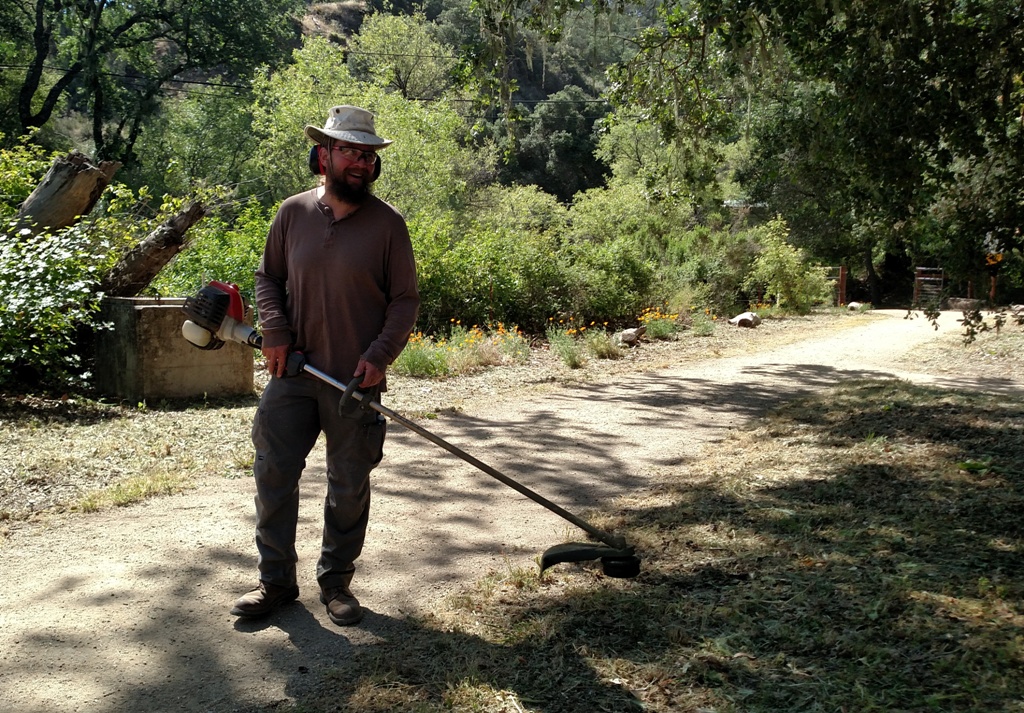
295	364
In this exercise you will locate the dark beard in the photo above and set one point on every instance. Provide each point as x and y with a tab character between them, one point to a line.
347	193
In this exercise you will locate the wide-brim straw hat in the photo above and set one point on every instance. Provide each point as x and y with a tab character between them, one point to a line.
348	123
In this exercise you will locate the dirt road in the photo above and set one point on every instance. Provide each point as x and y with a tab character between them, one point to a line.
127	610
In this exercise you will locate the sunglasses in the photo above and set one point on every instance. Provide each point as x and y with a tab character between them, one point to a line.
350	154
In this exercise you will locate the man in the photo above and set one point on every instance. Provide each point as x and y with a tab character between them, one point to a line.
337	282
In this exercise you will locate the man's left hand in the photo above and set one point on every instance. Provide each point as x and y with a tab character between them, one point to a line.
371	374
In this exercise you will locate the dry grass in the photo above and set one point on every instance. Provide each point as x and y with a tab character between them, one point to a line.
77	454
861	550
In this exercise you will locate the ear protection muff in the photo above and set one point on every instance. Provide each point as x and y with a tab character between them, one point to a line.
314	163
314	160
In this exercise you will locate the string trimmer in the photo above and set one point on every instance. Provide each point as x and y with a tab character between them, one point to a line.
216	314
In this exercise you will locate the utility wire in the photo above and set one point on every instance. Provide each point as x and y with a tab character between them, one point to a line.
246	88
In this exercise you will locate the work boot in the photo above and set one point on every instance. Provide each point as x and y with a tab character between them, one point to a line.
342	607
264	599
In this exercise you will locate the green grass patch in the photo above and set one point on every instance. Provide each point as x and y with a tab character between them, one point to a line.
462	352
132	490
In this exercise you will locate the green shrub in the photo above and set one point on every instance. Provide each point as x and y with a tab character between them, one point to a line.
464	351
783	272
517	260
484	275
621	280
601	345
47	292
660	325
218	250
21	168
471	349
709	264
703	323
563	342
512	344
422	357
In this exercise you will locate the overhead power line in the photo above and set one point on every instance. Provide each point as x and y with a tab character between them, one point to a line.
247	88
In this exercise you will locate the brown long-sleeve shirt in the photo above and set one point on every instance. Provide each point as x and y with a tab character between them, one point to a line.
338	290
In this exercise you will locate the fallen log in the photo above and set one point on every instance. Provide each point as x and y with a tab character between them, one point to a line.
139	265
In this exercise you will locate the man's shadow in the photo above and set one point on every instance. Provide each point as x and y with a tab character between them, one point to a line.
388	663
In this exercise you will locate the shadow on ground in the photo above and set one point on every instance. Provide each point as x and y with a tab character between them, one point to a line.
878	580
872	582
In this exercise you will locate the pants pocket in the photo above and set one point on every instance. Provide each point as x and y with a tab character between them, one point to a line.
373	438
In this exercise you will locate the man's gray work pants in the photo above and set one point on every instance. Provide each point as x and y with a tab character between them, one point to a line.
292	413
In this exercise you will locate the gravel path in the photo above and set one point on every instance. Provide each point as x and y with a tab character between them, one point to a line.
127	610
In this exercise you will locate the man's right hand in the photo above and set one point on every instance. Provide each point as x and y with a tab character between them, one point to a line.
277	359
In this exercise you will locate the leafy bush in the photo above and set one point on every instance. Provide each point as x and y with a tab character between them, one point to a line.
703	323
626	210
21	168
218	250
660	325
784	273
484	270
609	282
464	351
563	342
47	285
512	344
601	345
710	265
422	356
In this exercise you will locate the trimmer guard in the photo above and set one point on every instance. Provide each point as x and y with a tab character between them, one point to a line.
622	563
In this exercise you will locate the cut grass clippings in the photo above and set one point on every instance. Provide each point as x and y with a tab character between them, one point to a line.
860	550
77	454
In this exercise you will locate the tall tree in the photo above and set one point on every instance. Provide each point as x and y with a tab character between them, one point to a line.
558	150
899	107
112	59
425	171
921	90
401	52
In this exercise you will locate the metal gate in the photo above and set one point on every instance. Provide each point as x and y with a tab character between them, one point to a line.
928	285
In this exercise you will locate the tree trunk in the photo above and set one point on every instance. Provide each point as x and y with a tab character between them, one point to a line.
69	190
874	284
137	268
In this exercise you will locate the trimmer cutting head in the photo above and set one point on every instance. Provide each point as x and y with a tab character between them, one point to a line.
620	563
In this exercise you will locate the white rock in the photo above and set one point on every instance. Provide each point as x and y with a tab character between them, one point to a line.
747	319
630	337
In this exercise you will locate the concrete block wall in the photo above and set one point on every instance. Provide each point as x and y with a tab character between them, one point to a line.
145	357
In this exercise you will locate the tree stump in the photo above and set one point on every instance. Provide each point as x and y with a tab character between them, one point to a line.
69	190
